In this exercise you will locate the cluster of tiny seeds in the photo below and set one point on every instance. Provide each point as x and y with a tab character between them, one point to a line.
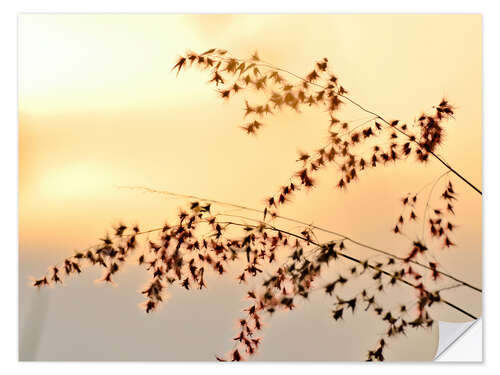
320	88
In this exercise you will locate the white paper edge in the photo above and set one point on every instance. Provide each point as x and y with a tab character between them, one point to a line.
460	342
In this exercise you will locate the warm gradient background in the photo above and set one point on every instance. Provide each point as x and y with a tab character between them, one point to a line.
99	107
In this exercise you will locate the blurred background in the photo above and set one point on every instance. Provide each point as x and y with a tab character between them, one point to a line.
99	107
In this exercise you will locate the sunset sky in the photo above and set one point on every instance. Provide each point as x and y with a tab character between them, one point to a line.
99	108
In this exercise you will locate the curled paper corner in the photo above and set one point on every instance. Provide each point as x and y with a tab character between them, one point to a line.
450	333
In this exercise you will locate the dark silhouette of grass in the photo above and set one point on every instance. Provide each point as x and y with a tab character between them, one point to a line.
200	240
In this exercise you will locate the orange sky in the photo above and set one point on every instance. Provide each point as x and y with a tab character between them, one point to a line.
99	108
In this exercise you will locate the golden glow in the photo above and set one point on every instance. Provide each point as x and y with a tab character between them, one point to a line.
100	108
79	62
72	180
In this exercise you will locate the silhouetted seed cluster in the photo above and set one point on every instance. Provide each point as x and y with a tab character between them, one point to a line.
399	319
110	254
440	226
431	129
385	274
296	279
180	254
320	88
408	213
438	221
342	150
278	292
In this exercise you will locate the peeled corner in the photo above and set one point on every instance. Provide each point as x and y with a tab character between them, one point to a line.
449	333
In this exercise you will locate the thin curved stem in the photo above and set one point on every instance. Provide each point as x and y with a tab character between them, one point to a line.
340	253
453	170
342	236
352	259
